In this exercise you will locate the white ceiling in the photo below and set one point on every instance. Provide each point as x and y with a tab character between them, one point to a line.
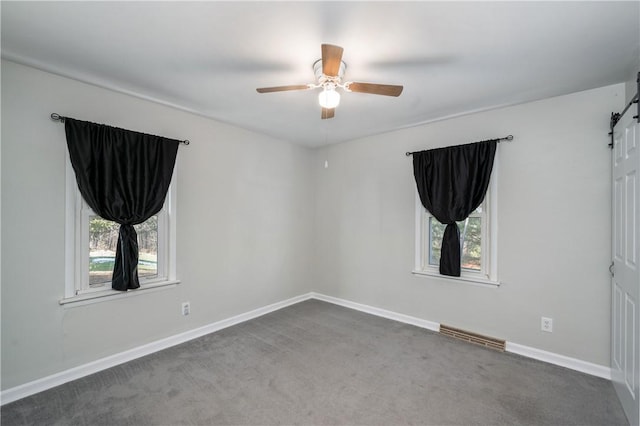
209	57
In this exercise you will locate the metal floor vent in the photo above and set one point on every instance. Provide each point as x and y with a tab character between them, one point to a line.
478	339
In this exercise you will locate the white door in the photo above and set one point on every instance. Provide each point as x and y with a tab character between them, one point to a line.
625	284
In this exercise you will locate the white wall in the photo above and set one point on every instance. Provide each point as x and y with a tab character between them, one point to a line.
260	220
244	222
553	224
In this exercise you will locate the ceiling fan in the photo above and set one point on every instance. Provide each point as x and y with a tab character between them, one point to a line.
329	72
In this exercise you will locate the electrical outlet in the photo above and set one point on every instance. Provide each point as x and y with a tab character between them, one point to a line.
546	324
186	308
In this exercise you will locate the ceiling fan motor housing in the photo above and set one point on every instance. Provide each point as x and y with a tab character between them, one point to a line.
325	80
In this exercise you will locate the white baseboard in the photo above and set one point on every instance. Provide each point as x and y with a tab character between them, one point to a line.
418	322
561	360
57	379
39	385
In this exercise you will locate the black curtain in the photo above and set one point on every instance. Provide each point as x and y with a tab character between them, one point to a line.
452	182
124	177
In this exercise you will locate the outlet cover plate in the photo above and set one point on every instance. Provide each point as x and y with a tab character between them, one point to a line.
186	308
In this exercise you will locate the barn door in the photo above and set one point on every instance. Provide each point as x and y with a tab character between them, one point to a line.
625	282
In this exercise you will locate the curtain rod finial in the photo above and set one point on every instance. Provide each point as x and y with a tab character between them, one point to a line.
57	117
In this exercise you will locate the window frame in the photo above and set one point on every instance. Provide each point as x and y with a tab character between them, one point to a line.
488	275
77	288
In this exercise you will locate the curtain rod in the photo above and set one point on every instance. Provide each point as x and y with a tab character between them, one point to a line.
506	138
60	118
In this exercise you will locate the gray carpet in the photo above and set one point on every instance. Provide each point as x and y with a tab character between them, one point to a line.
317	363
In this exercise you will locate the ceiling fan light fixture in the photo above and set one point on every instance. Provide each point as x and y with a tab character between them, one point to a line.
329	98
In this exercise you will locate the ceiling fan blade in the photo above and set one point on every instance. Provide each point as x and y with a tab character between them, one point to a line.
331	58
283	88
376	89
328	113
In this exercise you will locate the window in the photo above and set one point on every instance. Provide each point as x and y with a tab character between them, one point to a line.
477	241
91	246
102	241
472	231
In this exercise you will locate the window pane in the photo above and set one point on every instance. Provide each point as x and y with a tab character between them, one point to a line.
436	231
470	242
103	240
148	248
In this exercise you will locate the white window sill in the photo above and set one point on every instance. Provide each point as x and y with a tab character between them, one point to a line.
104	295
480	281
